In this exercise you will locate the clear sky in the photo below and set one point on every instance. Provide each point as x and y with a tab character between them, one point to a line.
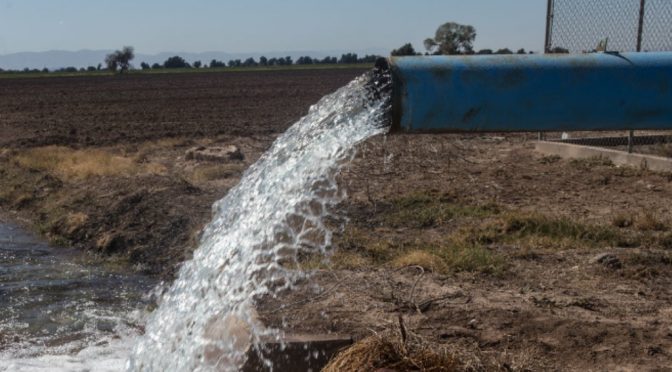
153	26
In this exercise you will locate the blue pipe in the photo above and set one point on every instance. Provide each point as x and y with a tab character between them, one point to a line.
499	93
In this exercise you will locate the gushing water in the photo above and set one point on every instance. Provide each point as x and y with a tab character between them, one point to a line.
206	321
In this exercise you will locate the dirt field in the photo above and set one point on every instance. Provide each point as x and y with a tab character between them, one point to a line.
134	108
148	204
502	258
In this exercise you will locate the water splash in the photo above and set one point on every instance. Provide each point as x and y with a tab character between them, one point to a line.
206	321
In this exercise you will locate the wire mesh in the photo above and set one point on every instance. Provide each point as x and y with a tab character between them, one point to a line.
658	142
581	25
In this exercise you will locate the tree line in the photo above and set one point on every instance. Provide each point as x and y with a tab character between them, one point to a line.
119	61
179	62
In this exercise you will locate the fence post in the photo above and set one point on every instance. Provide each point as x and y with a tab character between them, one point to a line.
549	26
547	42
640	27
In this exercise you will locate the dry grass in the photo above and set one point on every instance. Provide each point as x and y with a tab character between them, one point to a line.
550	159
74	221
664	150
70	164
650	222
212	172
666	241
592	162
622	221
143	152
387	351
424	259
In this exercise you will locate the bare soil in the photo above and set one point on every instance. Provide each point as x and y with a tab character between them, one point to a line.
574	264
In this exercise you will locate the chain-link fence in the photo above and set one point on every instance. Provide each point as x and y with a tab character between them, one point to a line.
580	26
658	143
623	25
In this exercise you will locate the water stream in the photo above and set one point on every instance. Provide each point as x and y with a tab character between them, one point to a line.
206	320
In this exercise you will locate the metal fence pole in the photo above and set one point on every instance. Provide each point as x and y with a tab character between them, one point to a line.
549	26
547	42
640	27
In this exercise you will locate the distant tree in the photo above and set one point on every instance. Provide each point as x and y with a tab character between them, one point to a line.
305	60
82	69
263	61
215	63
235	63
198	64
504	51
89	69
44	70
156	66
69	69
484	51
404	50
559	50
348	58
452	38
99	67
144	65
250	62
288	60
273	62
521	51
175	62
120	59
329	60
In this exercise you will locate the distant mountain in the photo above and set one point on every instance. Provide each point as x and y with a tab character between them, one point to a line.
55	59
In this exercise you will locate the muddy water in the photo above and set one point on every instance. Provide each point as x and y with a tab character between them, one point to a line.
58	305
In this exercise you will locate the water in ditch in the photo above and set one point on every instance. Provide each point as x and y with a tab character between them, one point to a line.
61	310
205	321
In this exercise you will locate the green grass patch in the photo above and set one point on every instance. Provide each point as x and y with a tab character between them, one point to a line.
358	249
423	210
558	228
536	231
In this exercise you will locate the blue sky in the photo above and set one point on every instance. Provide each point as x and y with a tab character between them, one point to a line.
153	26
